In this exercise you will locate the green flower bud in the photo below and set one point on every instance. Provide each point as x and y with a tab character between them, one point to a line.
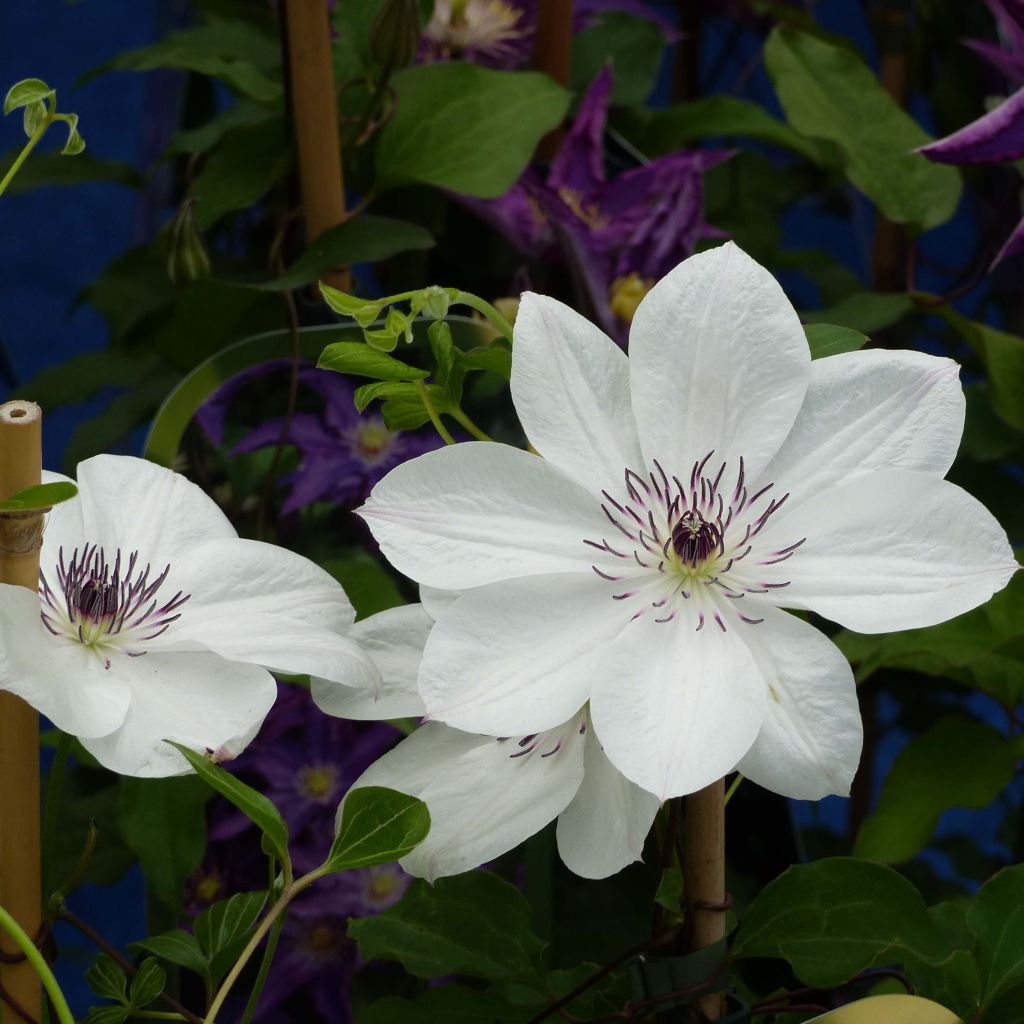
395	34
186	256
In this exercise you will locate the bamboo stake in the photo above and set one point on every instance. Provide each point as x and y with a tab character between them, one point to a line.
552	54
314	107
704	879
20	871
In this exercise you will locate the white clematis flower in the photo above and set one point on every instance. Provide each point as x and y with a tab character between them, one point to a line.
155	620
685	496
487	795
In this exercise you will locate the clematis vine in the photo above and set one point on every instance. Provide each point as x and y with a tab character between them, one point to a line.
687	496
487	795
998	136
155	621
618	236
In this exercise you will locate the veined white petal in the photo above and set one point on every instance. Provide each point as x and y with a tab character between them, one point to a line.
888	551
394	641
718	362
477	512
868	411
436	601
482	801
62	679
193	697
674	709
570	385
232	579
604	828
64	526
518	656
810	740
135	505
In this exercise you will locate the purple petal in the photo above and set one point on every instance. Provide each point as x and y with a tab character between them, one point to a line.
1013	246
1009	14
516	215
993	138
1007	63
306	431
579	166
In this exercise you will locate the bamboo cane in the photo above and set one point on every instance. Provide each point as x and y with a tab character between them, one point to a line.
20	870
704	879
315	117
552	54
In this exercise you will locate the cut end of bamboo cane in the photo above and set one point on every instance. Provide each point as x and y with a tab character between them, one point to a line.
20	414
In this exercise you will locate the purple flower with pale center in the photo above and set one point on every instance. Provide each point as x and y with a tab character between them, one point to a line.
343	453
618	236
998	136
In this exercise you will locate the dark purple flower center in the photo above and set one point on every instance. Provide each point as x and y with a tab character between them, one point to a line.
694	538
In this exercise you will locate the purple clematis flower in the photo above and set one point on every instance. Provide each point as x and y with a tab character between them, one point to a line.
343	452
617	235
998	136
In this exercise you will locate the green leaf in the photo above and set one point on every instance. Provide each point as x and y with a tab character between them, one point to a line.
41	496
32	117
657	132
866	312
176	947
223	929
48	169
996	917
361	240
241	113
106	1015
443	348
75	144
377	826
452	1004
164	822
147	984
1003	356
107	979
254	805
369	586
82	376
25	92
829	93
235	52
406	411
383	389
632	44
364	311
836	917
495	357
474	924
363	361
466	128
829	340
241	170
957	763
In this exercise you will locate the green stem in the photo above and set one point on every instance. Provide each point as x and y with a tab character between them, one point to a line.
432	413
475	302
35	958
261	978
23	155
733	786
51	812
459	416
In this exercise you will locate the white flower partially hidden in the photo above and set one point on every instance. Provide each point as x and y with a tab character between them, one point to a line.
155	620
685	496
487	795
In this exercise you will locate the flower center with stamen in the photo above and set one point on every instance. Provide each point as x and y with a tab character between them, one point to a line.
317	782
105	605
690	548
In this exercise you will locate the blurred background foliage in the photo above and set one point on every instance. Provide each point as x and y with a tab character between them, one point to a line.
170	260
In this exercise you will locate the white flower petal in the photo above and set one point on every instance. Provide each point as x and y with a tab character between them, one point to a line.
604	828
674	709
135	505
482	801
436	601
888	551
232	579
59	678
64	526
394	641
477	512
193	697
570	385
718	361
868	411
519	656
810	741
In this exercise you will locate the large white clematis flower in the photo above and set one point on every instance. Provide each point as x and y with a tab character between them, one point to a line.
685	496
486	795
155	620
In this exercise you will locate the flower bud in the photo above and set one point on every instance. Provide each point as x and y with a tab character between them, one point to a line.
395	34
186	256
